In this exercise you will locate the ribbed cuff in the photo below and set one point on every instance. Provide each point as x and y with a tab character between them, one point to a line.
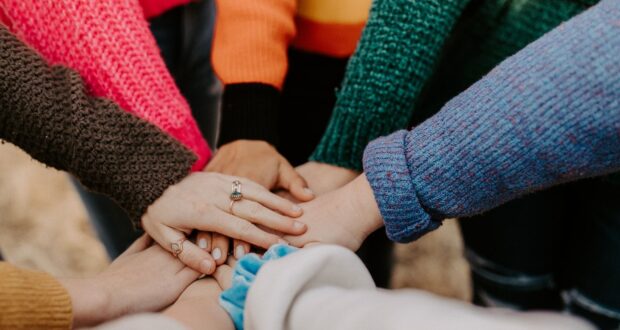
387	171
32	300
345	139
250	112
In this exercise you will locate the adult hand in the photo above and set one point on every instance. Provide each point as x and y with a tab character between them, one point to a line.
199	308
323	178
201	202
261	163
145	278
345	217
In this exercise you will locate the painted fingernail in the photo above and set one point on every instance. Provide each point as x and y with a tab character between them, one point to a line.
206	266
239	252
217	254
296	208
309	191
202	243
299	225
281	241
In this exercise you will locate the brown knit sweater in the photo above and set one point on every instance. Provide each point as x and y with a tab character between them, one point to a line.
46	111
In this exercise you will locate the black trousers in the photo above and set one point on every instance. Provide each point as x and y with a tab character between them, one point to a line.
554	250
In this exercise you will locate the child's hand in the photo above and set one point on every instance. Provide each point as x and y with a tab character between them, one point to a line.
344	217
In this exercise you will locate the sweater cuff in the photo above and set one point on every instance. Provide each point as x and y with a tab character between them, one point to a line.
345	139
245	272
250	112
32	300
387	170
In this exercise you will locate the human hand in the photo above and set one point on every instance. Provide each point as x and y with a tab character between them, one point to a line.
345	216
323	178
145	278
198	307
261	163
202	202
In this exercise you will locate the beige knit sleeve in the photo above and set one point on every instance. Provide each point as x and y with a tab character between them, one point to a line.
32	300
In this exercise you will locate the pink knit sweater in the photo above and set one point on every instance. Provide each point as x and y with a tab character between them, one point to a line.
109	43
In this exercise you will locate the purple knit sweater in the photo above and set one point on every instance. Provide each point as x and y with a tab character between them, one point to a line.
547	115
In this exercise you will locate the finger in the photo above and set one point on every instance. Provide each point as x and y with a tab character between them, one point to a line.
240	248
260	215
140	244
187	275
191	255
203	239
223	276
260	194
220	248
292	181
229	225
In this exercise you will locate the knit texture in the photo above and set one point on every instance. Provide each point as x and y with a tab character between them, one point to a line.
108	42
548	115
45	111
395	56
32	300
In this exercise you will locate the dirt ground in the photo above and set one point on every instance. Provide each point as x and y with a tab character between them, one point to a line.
43	225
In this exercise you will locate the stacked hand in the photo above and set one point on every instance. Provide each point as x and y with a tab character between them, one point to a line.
202	202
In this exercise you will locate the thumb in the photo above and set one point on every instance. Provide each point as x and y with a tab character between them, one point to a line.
292	181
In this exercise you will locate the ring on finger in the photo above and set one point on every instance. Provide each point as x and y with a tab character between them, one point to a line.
177	247
230	206
236	194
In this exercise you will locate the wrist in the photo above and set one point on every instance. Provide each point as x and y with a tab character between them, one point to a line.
363	200
90	302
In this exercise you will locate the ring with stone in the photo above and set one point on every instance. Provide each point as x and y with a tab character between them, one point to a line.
236	194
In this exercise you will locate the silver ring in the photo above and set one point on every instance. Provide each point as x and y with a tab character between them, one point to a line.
236	194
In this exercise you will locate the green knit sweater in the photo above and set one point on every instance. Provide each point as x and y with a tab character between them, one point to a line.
419	54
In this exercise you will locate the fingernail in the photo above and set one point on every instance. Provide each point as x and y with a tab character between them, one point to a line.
281	241
239	252
296	208
299	225
206	266
202	243
309	191
217	254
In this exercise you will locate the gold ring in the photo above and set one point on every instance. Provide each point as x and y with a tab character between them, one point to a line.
236	194
230	206
177	247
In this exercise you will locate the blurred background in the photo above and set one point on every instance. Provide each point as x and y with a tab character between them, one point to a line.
44	226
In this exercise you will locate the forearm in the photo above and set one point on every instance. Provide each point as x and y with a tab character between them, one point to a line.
250	58
394	59
46	112
545	116
32	300
109	44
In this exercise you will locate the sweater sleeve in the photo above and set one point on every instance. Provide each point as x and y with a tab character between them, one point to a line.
32	300
394	58
45	111
109	44
250	58
548	115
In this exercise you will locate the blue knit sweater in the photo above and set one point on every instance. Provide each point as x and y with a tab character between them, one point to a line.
547	115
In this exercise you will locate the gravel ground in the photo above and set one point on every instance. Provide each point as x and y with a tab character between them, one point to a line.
43	226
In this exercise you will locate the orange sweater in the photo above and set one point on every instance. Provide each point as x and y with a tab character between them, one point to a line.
252	37
32	300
